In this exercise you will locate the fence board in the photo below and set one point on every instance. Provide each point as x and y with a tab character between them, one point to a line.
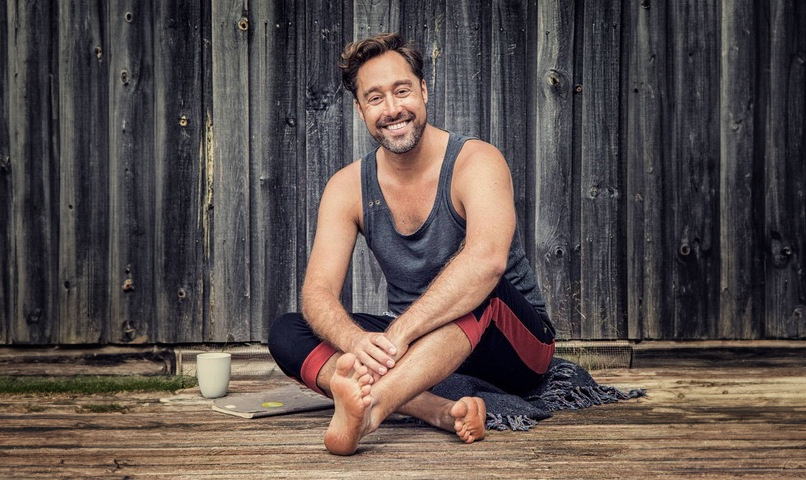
275	130
179	120
466	63
694	162
34	172
785	181
84	174
739	304
552	141
230	250
508	122
6	192
649	174
603	248
132	180
367	285
325	151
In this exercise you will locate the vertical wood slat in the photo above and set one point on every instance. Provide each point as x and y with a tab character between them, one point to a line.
132	177
739	304
179	167
368	283
274	125
6	191
325	152
552	140
649	174
785	182
508	74
230	246
84	174
694	157
34	173
466	99
603	250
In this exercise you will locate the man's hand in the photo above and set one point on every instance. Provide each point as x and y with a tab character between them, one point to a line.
375	351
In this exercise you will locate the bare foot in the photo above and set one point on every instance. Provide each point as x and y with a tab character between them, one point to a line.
470	418
351	395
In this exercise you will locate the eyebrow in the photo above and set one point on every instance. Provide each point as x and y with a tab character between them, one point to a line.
398	83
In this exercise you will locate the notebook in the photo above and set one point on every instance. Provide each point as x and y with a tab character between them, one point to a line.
277	401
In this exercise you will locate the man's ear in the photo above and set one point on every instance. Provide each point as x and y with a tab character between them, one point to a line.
359	110
425	90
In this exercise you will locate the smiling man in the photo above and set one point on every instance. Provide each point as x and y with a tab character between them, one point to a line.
437	211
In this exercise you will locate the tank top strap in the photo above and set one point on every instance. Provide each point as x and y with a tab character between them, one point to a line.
455	144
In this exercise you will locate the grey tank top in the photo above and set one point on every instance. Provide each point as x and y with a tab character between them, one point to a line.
411	262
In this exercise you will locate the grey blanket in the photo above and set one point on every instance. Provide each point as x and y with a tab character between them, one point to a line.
566	386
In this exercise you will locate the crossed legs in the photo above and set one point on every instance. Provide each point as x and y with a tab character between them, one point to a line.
361	406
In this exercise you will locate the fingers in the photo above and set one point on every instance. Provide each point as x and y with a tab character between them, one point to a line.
374	351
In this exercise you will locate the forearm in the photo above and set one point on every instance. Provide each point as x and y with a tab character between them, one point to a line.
461	286
327	317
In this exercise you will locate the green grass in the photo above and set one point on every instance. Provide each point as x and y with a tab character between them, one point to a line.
88	385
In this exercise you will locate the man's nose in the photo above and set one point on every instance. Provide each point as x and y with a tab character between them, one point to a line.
391	106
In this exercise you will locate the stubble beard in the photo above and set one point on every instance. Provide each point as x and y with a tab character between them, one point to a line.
405	144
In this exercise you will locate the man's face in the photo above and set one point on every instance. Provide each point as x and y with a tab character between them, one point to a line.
391	102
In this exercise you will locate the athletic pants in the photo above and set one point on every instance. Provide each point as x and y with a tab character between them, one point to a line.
512	342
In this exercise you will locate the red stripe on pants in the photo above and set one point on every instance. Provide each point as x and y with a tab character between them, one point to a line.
534	353
313	364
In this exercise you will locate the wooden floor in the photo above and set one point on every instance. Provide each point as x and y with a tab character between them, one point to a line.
706	419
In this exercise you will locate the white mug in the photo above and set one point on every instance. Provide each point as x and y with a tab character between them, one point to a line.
213	371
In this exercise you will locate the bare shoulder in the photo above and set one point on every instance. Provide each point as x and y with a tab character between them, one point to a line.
480	158
343	190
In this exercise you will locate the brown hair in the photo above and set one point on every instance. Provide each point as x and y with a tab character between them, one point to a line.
357	53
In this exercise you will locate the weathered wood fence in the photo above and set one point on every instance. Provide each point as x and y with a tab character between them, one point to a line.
161	161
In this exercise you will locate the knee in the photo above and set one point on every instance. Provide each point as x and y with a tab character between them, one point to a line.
282	334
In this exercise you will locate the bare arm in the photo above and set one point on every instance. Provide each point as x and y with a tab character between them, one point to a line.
482	191
336	231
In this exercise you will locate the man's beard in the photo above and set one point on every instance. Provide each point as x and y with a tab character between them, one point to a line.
406	143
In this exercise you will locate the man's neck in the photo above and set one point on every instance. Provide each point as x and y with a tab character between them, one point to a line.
416	161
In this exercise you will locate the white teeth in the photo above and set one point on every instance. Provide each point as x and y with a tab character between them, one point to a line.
396	126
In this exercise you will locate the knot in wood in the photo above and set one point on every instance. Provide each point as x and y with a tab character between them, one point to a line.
685	249
124	77
183	121
644	3
578	89
593	192
128	285
243	24
99	53
5	164
129	17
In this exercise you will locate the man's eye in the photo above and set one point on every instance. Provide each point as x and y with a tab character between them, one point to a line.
374	100
404	92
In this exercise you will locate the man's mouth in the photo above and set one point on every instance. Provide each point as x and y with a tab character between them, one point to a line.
397	126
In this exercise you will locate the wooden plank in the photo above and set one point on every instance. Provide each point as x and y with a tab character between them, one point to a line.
509	72
132	177
276	128
33	154
6	192
649	175
230	255
603	246
324	149
467	70
84	174
368	284
179	168
693	160
551	141
740	272
785	181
